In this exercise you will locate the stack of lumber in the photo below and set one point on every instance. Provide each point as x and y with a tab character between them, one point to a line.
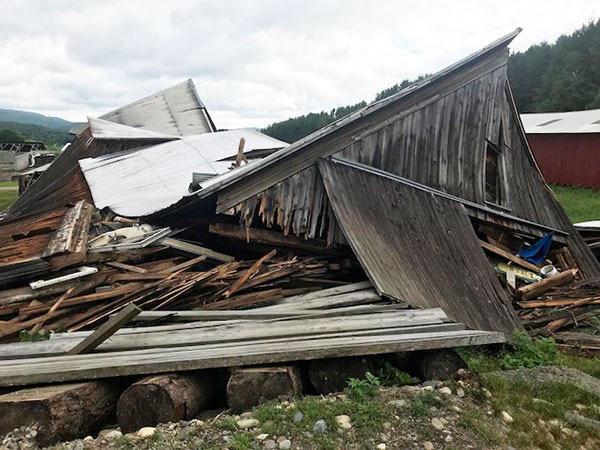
553	305
341	321
87	299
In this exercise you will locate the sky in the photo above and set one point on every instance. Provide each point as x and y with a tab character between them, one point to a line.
253	62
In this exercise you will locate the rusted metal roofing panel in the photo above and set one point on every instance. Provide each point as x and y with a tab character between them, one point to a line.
177	110
562	122
135	183
417	247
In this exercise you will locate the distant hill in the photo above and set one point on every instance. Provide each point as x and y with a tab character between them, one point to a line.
34	132
55	123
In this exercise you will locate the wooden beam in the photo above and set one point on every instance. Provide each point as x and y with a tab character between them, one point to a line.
106	330
268	237
534	290
516	259
196	249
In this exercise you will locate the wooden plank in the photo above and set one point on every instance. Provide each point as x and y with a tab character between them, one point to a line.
517	260
239	333
540	287
106	330
127	267
196	249
79	367
236	286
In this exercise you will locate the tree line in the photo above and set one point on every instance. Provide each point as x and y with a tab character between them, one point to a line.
563	76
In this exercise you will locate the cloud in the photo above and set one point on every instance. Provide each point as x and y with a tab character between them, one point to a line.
253	62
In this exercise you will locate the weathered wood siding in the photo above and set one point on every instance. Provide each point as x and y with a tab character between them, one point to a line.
441	143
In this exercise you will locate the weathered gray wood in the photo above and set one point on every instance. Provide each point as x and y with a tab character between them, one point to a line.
250	386
239	333
62	412
196	249
106	330
165	398
77	367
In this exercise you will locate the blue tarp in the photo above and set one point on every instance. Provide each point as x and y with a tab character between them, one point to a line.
537	252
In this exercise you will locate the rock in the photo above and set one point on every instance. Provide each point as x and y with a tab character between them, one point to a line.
460	393
437	424
445	390
444	421
298	416
261	437
428	446
146	432
88	438
506	417
270	444
580	407
387	425
342	397
427	388
113	434
448	438
246	415
285	444
456	408
247	423
320	426
431	383
554	423
487	393
410	388
79	445
397	403
344	422
462	373
381	446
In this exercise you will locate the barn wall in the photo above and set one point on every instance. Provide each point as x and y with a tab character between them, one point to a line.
568	159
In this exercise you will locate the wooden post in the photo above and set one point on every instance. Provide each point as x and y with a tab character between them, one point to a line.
250	386
62	412
166	398
332	375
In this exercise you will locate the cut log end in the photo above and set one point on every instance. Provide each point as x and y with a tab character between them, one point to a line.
250	386
62	412
165	398
438	364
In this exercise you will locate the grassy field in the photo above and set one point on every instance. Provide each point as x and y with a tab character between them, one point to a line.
581	204
7	196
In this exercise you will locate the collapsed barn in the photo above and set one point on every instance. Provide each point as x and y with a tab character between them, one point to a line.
419	222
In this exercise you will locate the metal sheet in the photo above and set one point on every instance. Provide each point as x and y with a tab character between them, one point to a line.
104	129
562	122
140	182
177	110
416	247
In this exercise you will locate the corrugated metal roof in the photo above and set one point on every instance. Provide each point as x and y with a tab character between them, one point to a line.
562	122
104	129
399	234
139	182
177	110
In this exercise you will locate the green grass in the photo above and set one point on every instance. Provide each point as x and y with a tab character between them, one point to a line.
581	204
7	198
8	184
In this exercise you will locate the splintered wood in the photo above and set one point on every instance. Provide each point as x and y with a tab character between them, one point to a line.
170	283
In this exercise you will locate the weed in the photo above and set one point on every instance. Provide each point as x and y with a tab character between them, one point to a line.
241	441
389	375
530	352
42	335
472	419
363	389
227	423
421	407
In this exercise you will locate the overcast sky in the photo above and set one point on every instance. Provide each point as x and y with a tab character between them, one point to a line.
253	62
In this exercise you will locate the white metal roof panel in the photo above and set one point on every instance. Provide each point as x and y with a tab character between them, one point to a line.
139	182
104	129
177	110
562	122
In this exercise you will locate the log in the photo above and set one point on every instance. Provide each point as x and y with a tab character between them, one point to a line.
250	386
332	375
62	412
534	290
166	398
437	364
515	259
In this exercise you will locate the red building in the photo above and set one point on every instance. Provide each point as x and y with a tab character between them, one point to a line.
566	146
